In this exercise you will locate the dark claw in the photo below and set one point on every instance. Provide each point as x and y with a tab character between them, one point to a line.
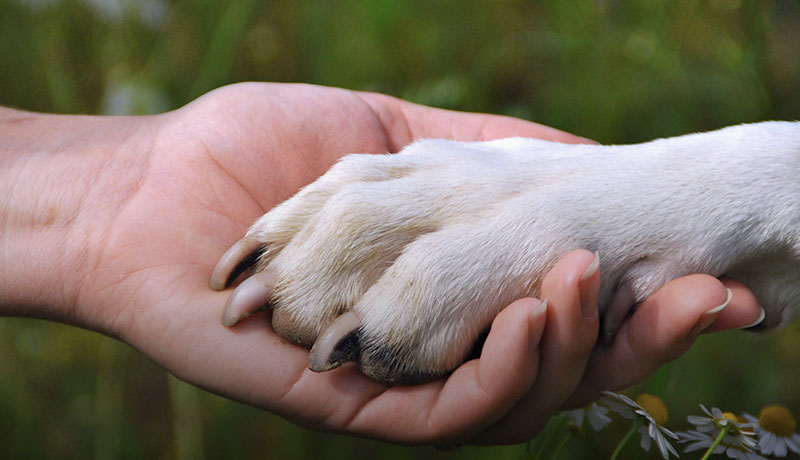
251	296
337	344
241	256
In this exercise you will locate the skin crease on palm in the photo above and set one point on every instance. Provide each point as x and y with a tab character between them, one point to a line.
145	206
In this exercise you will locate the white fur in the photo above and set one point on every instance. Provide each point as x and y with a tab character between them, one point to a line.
427	245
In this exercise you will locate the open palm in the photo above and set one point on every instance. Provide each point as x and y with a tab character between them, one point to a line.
211	168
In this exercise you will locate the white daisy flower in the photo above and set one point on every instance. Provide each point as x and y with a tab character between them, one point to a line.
650	413
595	414
729	445
776	428
724	431
717	420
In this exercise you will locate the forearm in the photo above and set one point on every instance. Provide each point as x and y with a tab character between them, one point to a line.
53	177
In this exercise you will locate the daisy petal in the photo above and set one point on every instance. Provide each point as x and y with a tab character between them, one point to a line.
699	420
696	446
780	448
646	440
598	420
766	443
794	443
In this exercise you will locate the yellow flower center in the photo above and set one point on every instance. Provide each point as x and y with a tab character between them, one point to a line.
733	428
655	407
777	419
734	418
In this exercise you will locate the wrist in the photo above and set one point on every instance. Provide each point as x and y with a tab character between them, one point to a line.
56	182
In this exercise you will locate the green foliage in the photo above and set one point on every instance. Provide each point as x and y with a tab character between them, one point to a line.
613	70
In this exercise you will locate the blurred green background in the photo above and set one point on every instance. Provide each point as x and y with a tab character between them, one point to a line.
613	70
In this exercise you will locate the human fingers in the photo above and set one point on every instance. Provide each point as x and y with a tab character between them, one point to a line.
479	392
662	328
571	289
742	312
405	121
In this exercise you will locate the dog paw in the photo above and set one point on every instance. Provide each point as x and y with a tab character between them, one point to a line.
397	262
400	262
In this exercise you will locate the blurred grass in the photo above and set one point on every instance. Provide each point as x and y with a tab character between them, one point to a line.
614	70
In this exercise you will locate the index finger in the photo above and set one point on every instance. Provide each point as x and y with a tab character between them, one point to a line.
405	121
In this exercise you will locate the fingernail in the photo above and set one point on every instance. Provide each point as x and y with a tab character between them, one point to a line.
758	321
589	293
535	328
592	268
539	311
708	318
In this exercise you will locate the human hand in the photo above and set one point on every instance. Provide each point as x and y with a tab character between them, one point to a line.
137	227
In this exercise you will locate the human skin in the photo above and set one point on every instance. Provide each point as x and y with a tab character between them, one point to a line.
115	223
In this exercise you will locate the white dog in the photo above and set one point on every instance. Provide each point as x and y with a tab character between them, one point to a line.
416	252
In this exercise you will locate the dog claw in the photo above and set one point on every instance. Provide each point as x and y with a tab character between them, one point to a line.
337	344
237	259
249	297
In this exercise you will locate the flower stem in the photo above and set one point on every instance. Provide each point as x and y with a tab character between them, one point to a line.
722	434
561	445
550	435
638	423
